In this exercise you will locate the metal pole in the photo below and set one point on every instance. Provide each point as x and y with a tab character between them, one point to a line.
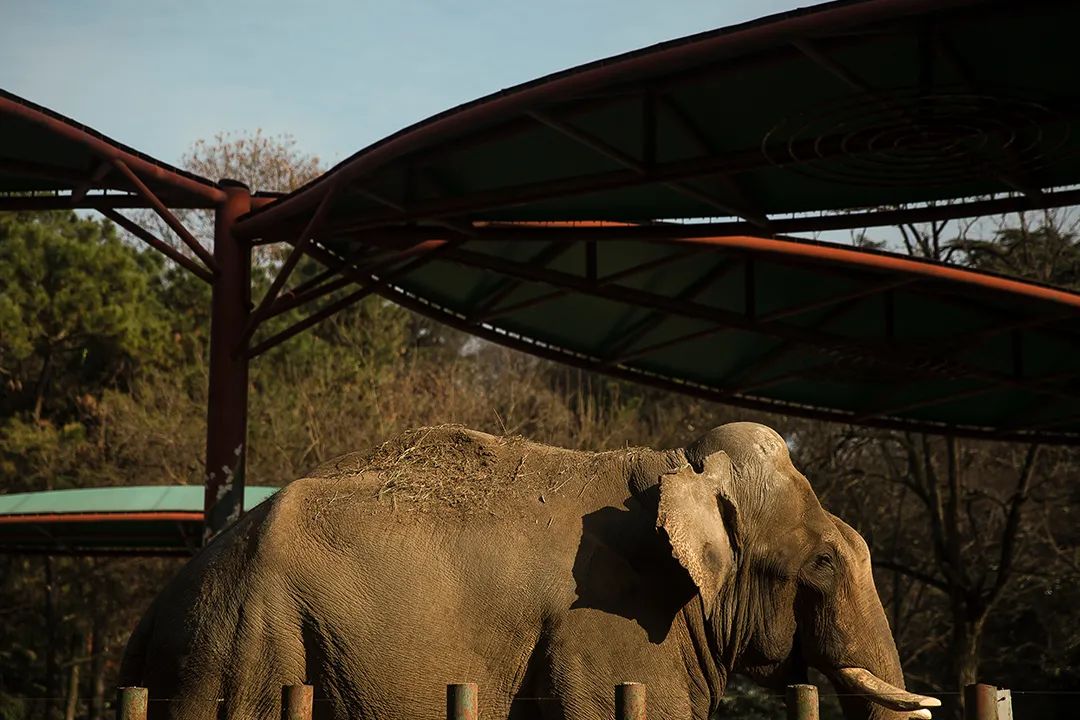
630	701
980	702
461	701
131	703
226	414
802	702
296	701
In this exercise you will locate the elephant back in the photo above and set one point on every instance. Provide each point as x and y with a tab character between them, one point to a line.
451	467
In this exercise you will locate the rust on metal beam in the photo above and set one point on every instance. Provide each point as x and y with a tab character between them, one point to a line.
890	357
670	257
54	201
306	236
78	193
372	264
159	245
368	284
166	215
207	194
42	171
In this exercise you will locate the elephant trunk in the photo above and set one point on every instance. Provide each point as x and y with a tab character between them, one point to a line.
860	655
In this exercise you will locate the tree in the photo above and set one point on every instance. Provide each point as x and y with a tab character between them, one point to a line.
968	537
78	309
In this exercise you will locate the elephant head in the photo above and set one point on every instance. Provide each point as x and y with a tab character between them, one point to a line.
783	583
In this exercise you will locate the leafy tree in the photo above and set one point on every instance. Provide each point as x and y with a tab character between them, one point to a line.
78	308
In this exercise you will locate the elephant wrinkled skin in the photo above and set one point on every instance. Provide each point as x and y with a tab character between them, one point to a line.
545	575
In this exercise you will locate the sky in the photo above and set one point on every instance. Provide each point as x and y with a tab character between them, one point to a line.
158	75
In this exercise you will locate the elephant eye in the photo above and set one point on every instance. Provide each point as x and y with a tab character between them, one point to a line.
824	561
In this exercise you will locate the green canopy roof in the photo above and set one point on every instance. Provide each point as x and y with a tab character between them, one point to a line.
600	216
138	520
44	154
865	104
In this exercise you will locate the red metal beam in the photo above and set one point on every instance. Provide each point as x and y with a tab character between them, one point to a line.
306	236
158	244
204	191
607	279
891	357
164	213
227	397
42	171
651	65
371	264
369	285
78	193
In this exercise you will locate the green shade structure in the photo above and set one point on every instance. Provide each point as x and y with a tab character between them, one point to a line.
634	216
639	217
830	116
137	520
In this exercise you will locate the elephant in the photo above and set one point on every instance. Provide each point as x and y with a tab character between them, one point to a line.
545	575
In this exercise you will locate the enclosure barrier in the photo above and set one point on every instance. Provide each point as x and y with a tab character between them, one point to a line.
801	702
981	702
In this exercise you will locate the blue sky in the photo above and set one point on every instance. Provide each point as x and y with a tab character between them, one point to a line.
336	75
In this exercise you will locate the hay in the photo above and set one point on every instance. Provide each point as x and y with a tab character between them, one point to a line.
450	466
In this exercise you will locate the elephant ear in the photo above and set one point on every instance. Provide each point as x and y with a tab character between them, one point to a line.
691	514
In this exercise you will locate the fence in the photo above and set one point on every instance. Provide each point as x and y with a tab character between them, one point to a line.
981	702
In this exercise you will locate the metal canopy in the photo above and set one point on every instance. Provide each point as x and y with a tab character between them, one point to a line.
48	161
870	112
869	105
139	520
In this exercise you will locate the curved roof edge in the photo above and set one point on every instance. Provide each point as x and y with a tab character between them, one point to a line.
108	149
583	361
742	37
863	257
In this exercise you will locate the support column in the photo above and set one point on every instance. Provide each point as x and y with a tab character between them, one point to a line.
226	415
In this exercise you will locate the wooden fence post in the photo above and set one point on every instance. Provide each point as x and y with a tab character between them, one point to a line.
987	702
802	702
630	701
296	702
461	702
131	703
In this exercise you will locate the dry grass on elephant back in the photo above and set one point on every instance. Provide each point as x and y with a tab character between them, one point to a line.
453	467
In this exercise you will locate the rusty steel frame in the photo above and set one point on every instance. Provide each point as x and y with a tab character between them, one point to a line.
227	398
657	66
158	244
368	286
736	321
499	311
711	393
165	214
306	236
206	194
683	170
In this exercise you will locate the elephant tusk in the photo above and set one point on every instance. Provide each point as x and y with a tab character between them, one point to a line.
884	693
921	714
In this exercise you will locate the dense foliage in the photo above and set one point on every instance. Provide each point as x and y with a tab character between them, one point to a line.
103	369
